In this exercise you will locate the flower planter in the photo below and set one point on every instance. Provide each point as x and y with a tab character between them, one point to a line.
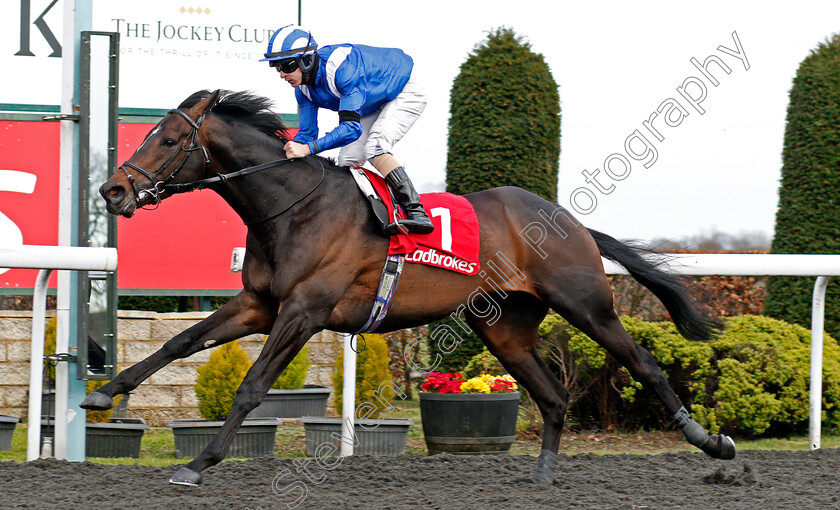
310	400
7	430
118	438
385	437
461	423
47	402
255	437
121	437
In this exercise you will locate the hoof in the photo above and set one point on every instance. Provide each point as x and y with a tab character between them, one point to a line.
727	448
546	464
186	476
541	478
720	446
97	401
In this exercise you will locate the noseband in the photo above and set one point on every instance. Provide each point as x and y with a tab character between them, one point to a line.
159	185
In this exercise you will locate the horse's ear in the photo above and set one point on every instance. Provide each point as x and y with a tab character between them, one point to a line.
206	104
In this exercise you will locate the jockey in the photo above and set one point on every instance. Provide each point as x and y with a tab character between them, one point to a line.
376	100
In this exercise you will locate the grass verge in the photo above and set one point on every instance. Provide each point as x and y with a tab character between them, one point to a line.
158	444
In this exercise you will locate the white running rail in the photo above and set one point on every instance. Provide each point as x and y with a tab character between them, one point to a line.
712	264
47	259
736	264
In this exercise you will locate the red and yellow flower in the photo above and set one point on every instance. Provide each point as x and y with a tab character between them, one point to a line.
439	382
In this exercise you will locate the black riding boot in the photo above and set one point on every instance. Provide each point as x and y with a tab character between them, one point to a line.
416	220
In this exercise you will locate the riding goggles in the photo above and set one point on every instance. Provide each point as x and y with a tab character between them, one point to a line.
286	66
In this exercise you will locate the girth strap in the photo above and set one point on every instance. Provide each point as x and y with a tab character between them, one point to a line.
387	286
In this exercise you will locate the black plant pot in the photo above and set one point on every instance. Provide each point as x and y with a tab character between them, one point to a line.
7	430
310	400
375	437
461	423
47	402
117	438
255	438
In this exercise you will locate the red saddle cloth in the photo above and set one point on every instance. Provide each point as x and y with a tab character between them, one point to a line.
455	241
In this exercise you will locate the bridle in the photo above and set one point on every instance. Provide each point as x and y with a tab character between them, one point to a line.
158	185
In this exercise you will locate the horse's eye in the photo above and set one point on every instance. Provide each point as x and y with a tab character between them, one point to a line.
169	143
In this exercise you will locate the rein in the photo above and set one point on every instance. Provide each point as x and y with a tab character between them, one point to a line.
202	183
321	180
161	186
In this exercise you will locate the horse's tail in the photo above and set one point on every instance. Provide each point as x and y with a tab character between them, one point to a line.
684	310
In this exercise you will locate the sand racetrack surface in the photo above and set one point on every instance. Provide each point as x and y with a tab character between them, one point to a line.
754	480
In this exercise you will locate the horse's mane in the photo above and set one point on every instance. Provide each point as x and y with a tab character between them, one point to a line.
244	106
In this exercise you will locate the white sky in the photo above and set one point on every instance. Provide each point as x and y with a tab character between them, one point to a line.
615	63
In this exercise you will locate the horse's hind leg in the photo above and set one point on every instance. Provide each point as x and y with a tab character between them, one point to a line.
241	316
593	314
511	340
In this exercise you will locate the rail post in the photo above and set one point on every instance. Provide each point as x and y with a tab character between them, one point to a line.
815	393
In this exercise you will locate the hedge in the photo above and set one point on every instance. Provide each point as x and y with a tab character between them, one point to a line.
451	344
751	380
808	216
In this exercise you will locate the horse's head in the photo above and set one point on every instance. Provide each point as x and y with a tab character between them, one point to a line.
172	150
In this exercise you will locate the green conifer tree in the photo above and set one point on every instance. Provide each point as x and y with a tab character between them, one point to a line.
218	380
808	217
373	377
294	376
504	128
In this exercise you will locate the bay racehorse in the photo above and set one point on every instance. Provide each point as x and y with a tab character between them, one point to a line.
315	253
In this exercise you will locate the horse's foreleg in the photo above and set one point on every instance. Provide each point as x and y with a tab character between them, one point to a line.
241	316
551	398
287	337
511	340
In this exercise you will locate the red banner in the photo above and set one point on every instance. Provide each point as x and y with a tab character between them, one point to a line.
185	244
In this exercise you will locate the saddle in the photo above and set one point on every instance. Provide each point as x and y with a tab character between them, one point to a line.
453	245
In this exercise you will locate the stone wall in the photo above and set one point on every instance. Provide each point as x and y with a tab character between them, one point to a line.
166	395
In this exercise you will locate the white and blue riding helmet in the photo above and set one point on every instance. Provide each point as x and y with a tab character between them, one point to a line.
291	42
